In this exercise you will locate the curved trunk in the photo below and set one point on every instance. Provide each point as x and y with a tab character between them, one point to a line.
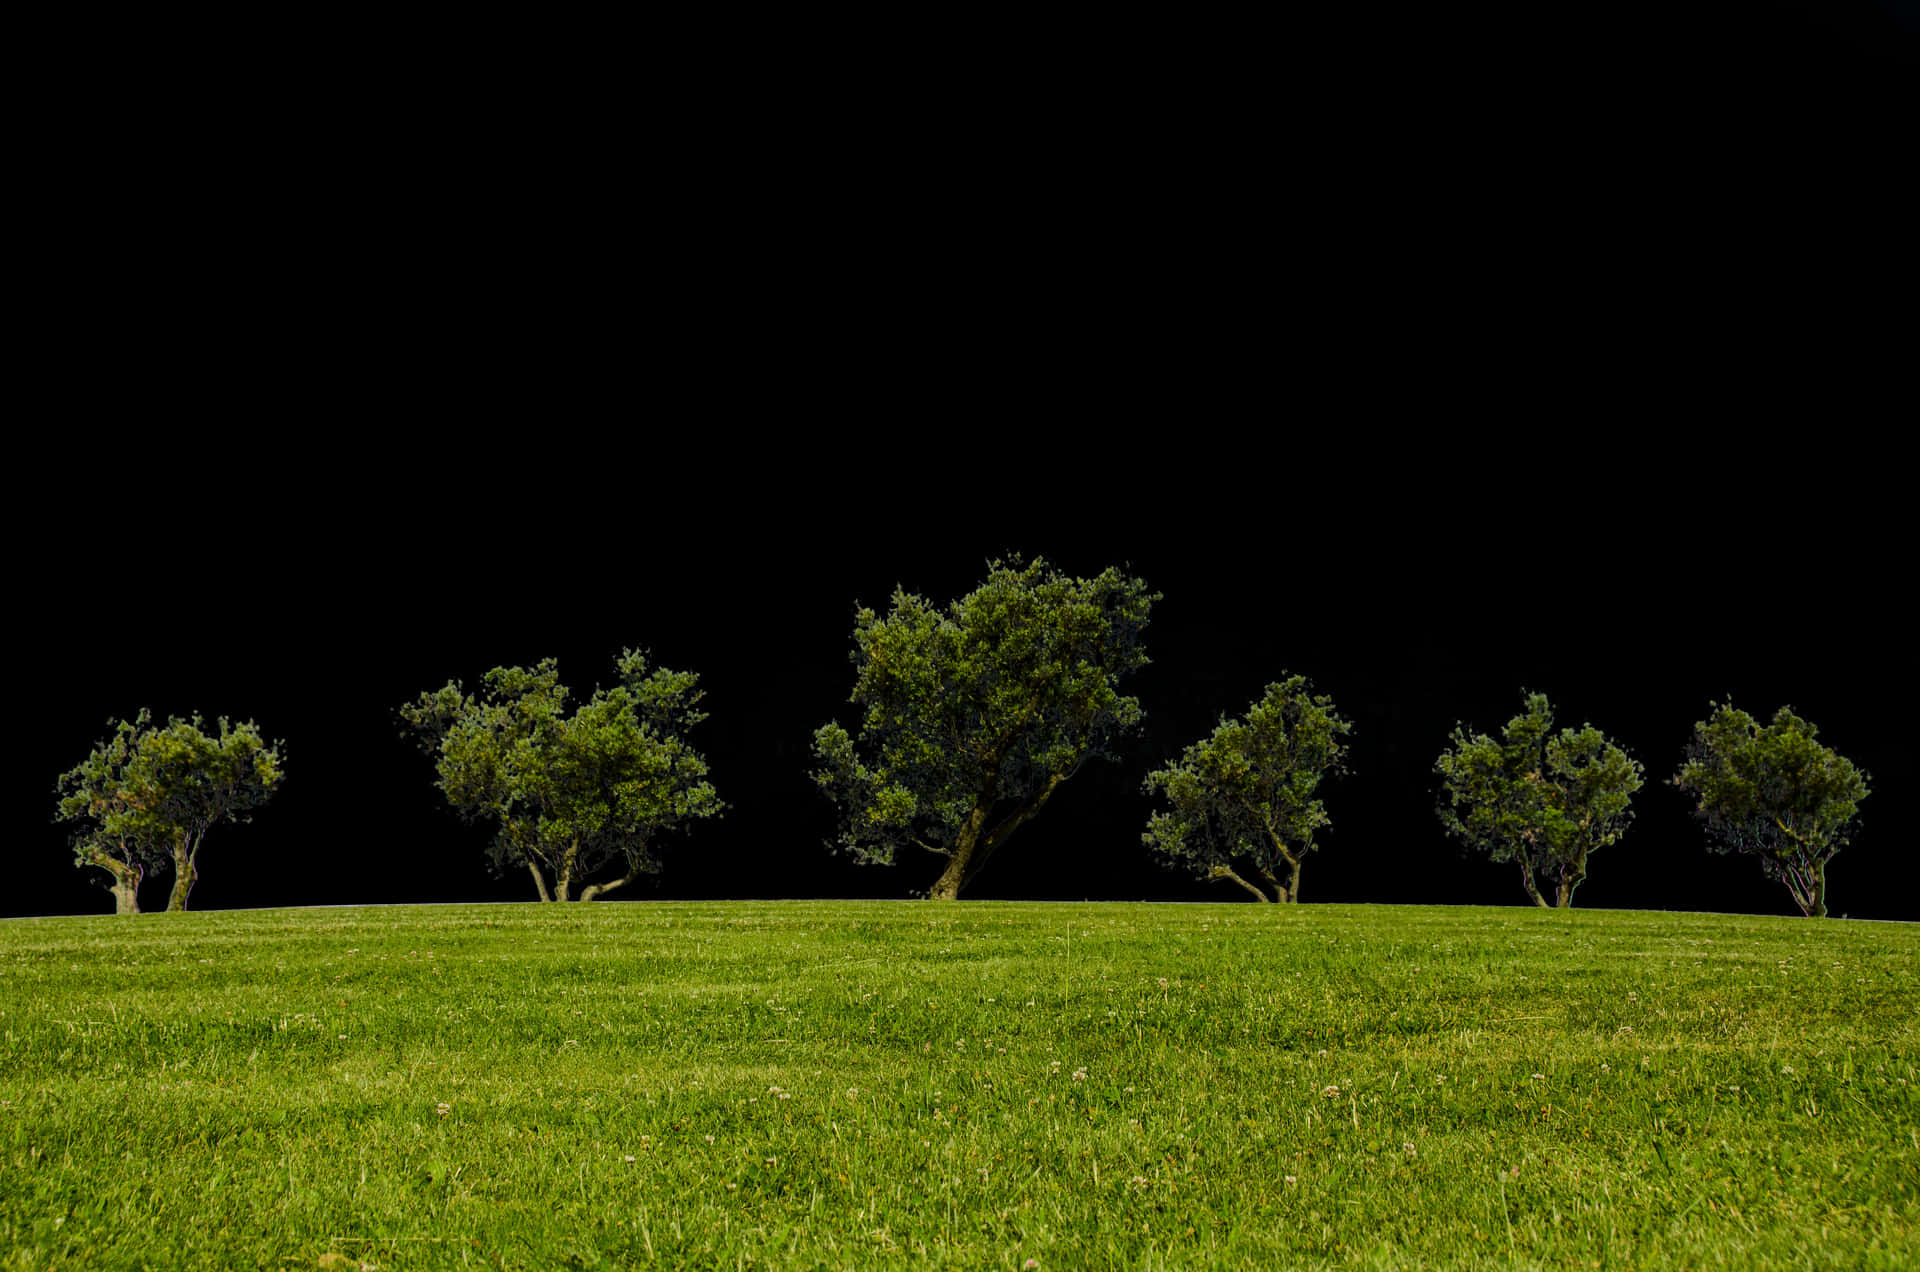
539	880
971	848
1572	874
593	890
1526	877
1228	873
126	882
186	849
954	877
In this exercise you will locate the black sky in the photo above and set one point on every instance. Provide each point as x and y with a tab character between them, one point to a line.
1433	364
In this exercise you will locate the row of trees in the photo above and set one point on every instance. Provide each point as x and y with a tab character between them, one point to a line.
970	718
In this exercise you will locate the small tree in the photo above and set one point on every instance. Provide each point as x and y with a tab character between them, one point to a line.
147	796
971	717
1545	801
1773	792
571	793
1247	793
105	794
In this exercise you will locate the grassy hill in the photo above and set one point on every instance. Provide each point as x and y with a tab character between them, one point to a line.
981	1085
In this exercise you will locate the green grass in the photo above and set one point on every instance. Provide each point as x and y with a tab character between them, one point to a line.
867	1084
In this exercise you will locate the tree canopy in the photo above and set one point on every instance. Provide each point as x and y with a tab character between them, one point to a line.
571	793
146	797
1543	800
1775	793
1247	794
972	716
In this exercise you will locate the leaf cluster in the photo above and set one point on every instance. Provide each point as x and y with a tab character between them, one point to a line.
976	711
1248	792
570	791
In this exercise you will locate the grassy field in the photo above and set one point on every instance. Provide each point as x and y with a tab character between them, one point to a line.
980	1085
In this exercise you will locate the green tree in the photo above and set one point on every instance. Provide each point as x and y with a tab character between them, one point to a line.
1543	800
147	796
1246	793
971	717
571	793
1774	792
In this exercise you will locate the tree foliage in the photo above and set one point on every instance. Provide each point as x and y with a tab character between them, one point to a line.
1775	793
1247	794
146	797
1543	800
571	793
972	716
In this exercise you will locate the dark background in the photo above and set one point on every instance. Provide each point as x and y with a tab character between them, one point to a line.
1434	356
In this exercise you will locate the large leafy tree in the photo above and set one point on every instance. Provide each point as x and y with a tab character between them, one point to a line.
972	716
1246	794
1774	792
571	793
1546	801
147	796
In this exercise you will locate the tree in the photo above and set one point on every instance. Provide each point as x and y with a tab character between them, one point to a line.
147	796
971	717
1546	801
571	793
1774	792
105	792
1247	792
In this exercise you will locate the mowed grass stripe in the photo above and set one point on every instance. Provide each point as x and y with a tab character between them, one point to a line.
873	1084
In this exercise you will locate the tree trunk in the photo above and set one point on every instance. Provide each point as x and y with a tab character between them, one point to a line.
1572	874
1526	877
1227	873
1288	892
539	880
185	872
960	865
563	877
593	890
947	886
1818	910
126	882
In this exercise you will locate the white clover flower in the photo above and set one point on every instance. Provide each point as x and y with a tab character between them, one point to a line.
1410	1149
1330	1092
